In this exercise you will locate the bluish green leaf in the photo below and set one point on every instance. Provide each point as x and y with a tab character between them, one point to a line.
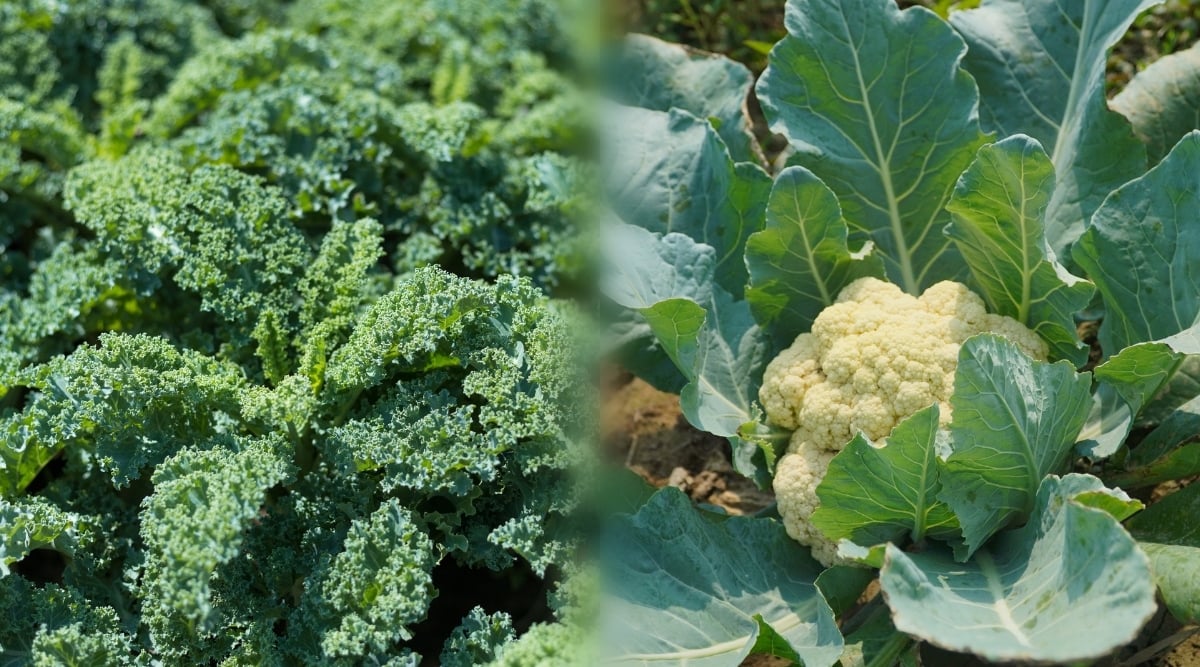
875	104
1014	422
710	336
686	590
632	342
1108	422
653	74
871	495
32	523
1177	573
1142	249
843	585
1128	381
1171	520
1069	585
677	324
800	261
998	210
1167	531
671	172
1040	67
640	270
1179	427
1163	101
1179	463
643	268
731	352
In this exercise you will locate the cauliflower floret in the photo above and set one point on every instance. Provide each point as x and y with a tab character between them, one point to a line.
792	374
796	478
874	357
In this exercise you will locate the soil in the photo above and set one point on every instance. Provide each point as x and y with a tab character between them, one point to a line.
645	429
1186	654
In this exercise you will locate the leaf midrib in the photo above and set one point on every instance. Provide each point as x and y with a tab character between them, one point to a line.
907	277
783	625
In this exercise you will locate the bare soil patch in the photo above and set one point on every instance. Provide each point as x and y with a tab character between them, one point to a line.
645	429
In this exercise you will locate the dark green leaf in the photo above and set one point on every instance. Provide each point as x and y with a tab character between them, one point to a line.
1171	520
1014	422
800	261
871	495
1179	427
999	210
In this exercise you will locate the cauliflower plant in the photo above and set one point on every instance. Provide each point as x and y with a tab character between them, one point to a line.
874	357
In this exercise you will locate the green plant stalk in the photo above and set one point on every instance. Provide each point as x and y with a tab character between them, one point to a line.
695	22
890	654
1183	462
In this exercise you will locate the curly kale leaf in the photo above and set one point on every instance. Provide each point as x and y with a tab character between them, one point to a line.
333	152
53	625
52	52
335	287
362	601
457	50
242	419
477	640
259	60
215	232
36	149
203	501
453	184
71	294
132	401
501	215
237	17
546	645
412	329
33	523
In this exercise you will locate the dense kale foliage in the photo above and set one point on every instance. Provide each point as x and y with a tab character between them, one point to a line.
244	417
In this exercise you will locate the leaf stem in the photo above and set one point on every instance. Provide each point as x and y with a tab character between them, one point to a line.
889	654
1162	646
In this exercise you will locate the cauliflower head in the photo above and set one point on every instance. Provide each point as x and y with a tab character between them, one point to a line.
876	356
873	358
796	478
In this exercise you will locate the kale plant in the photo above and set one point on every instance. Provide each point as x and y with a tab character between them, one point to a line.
955	320
245	418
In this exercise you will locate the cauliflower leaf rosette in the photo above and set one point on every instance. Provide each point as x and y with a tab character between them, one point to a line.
873	358
886	322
